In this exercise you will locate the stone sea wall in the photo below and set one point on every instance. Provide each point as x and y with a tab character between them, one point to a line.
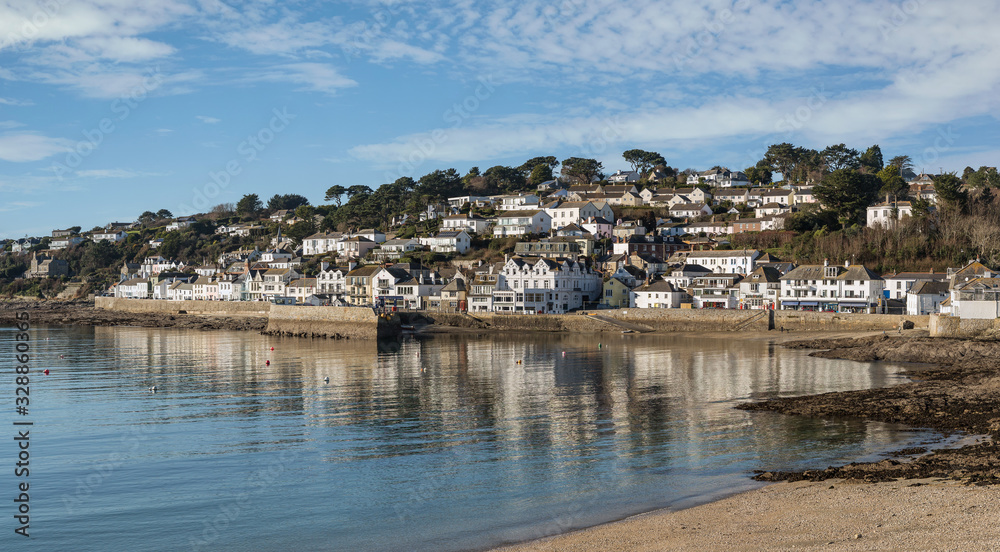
363	323
682	320
950	326
216	308
336	322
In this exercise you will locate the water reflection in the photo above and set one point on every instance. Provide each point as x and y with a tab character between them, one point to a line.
447	443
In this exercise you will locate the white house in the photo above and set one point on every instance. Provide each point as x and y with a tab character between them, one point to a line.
459	201
925	297
826	287
448	242
180	222
575	212
657	294
470	223
684	210
738	261
330	280
761	289
781	196
888	213
771	209
518	223
63	242
545	286
111	236
719	177
136	288
321	243
520	202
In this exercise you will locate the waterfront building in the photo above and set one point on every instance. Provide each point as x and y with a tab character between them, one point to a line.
657	294
847	288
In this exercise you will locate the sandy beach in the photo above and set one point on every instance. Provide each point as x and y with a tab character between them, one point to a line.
906	515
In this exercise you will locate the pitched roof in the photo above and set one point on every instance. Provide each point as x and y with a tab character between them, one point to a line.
657	285
928	287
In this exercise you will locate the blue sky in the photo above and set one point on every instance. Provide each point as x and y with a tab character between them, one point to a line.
109	108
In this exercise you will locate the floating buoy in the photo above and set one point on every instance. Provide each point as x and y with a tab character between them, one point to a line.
564	353
272	348
519	362
46	371
62	356
152	389
267	363
326	379
599	345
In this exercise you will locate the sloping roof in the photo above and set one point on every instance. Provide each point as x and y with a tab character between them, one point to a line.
657	285
724	253
928	287
367	270
457	284
934	276
765	274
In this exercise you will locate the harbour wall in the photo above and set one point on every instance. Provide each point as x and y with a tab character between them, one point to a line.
942	325
363	323
335	322
682	320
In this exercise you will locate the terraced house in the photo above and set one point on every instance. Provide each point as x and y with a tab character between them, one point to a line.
544	286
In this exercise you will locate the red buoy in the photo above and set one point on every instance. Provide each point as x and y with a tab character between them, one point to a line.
272	348
267	363
46	371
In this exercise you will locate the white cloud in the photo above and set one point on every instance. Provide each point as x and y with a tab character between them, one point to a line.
114	173
15	102
207	120
10	124
28	146
17	205
316	77
124	48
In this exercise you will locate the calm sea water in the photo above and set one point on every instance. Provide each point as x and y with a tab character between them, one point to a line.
449	443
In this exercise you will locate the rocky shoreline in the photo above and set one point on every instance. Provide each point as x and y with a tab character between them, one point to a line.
960	394
83	313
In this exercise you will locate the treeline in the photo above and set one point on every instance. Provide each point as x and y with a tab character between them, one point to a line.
962	228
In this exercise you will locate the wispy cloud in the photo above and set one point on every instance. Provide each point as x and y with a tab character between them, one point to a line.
15	102
114	173
8	206
207	120
27	146
316	77
10	124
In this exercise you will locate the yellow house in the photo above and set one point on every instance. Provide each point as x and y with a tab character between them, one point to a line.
616	294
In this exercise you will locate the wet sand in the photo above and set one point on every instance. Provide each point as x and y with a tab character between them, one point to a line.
831	515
